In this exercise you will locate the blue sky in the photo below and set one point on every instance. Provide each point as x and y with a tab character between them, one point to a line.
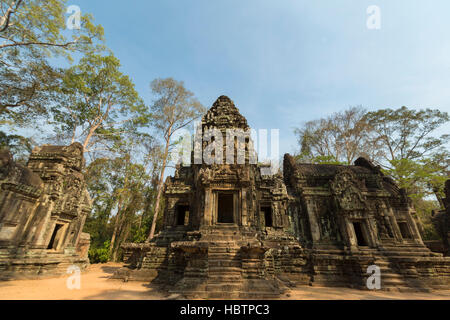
288	61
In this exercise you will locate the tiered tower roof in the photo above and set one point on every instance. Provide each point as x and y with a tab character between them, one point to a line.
223	115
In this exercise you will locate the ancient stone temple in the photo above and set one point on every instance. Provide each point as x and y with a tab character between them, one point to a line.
232	230
43	207
351	217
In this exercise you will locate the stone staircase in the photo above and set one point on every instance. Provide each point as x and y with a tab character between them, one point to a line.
224	270
226	279
407	250
224	261
391	280
396	277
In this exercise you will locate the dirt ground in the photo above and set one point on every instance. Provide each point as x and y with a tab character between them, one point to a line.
96	285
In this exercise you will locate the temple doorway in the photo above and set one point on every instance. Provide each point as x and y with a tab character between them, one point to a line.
225	208
403	226
267	212
359	233
56	236
182	215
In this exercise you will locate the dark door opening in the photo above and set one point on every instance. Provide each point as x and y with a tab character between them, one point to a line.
404	230
267	211
182	215
225	208
359	234
54	240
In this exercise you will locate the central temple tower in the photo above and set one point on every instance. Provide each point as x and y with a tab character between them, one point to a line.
225	187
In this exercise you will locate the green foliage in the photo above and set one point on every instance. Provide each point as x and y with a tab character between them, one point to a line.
99	255
91	101
98	104
337	139
174	108
417	177
41	23
415	157
32	32
407	134
402	141
123	190
317	159
423	210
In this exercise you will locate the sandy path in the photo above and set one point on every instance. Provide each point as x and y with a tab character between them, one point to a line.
96	285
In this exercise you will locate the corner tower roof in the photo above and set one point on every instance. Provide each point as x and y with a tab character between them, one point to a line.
223	115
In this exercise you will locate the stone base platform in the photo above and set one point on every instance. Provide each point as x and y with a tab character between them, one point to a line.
39	264
224	262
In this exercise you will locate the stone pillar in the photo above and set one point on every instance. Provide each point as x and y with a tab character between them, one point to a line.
237	201
348	232
79	230
413	227
372	232
395	228
314	226
244	219
208	213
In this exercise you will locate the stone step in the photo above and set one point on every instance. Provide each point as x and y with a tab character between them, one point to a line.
406	252
223	295
224	255
224	278
223	270
223	287
391	277
223	238
224	263
222	250
224	231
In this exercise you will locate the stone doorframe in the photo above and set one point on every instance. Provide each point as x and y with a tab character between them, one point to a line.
366	227
236	205
61	234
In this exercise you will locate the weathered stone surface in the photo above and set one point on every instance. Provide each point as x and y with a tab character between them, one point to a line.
231	232
43	208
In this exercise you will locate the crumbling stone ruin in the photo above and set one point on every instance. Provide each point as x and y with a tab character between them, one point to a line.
232	232
43	207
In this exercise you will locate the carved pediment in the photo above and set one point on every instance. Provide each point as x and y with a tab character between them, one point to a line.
71	194
346	189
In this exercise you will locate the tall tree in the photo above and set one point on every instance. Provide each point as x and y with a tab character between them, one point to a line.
31	32
412	152
174	108
18	145
122	189
98	104
408	134
338	138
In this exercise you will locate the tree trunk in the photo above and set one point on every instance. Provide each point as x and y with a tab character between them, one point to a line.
160	189
122	236
89	136
118	221
116	229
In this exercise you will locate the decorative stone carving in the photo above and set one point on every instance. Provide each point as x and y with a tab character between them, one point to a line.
43	208
347	191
